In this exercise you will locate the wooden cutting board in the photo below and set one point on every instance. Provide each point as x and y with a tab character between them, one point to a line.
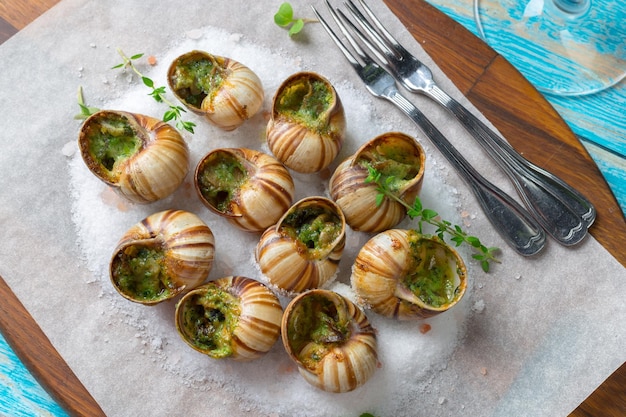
528	121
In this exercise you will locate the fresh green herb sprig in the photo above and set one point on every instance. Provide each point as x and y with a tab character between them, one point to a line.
285	19
85	111
158	93
484	254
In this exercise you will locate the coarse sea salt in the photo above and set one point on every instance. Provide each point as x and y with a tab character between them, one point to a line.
409	358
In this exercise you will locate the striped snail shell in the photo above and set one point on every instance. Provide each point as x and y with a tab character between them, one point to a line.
302	251
307	124
249	188
232	317
392	154
330	339
142	158
224	91
403	274
162	256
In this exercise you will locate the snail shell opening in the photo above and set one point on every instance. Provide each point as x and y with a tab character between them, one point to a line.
140	157
330	339
307	125
162	256
251	189
224	91
402	274
401	162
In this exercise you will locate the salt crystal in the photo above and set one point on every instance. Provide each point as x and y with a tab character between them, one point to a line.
441	400
92	45
194	34
69	148
479	306
236	37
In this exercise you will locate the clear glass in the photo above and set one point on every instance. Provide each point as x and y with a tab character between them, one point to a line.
563	47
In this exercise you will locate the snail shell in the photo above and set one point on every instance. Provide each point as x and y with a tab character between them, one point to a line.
307	125
142	158
161	256
302	251
330	339
231	317
249	188
402	274
224	91
392	154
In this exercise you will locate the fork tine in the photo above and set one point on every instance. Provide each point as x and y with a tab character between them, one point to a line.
342	26
351	58
361	36
382	45
389	37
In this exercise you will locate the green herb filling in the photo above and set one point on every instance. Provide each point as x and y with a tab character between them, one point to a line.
210	318
306	101
220	179
315	328
397	166
196	79
111	140
315	228
140	273
433	276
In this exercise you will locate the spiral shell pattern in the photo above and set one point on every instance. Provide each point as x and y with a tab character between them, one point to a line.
310	146
239	96
383	263
287	263
256	317
358	198
174	246
260	200
154	171
330	339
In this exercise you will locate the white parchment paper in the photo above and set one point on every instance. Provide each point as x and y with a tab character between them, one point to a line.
532	337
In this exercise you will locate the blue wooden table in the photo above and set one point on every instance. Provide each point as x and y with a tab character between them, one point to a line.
19	387
597	119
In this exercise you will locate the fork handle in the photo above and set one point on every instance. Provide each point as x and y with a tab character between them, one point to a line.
510	219
561	210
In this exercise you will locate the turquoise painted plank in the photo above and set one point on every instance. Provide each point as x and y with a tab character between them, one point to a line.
598	118
20	394
613	167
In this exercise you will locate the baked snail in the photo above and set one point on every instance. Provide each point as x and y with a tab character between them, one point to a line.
330	339
142	158
162	256
232	317
405	275
224	91
302	251
307	124
400	160
249	188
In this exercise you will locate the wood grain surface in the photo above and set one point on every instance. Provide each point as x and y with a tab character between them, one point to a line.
529	122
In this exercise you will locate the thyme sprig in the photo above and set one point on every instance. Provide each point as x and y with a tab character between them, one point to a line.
85	111
284	18
485	255
158	93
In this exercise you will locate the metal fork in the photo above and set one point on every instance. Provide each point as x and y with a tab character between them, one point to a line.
560	209
515	225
